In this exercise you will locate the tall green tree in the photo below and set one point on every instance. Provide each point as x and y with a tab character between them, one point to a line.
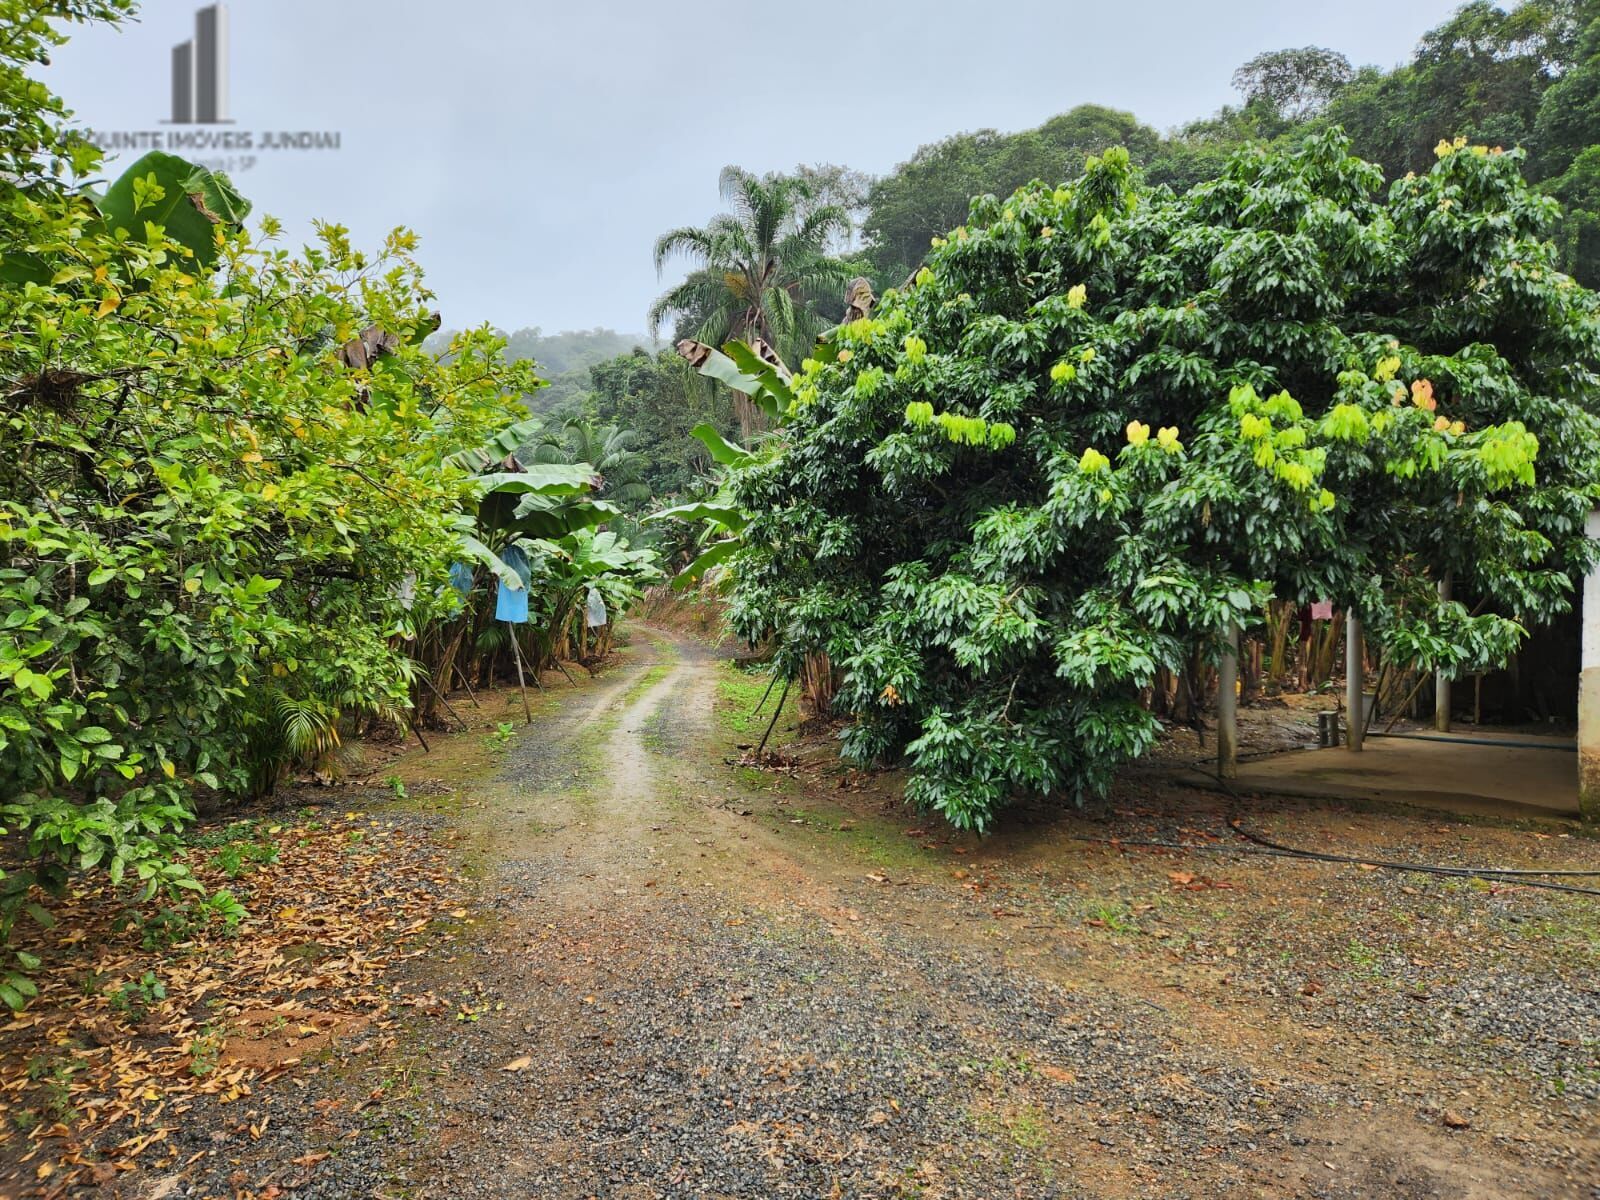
759	271
1481	75
929	194
1568	120
1200	150
228	483
1105	422
662	399
1295	83
1578	232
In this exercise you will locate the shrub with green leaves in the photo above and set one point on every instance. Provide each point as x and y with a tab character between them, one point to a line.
226	487
1105	422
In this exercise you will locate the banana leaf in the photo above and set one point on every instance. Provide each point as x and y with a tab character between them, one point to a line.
503	444
194	202
473	550
718	552
554	517
725	515
722	450
543	479
774	395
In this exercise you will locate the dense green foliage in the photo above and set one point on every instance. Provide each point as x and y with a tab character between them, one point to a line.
1105	422
661	400
206	517
930	193
234	484
1527	76
1482	74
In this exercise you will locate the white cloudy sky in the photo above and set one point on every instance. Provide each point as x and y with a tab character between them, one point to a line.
539	148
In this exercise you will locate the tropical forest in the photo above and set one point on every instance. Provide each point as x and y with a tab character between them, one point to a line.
1063	666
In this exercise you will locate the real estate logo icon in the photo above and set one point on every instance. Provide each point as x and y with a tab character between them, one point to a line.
200	71
201	127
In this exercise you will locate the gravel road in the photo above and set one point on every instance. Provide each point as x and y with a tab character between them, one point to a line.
678	982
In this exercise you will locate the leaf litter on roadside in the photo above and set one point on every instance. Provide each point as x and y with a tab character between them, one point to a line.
145	1011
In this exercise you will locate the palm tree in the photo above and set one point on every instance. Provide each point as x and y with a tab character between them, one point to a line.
608	449
760	269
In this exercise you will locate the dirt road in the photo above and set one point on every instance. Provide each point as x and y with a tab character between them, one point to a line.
680	979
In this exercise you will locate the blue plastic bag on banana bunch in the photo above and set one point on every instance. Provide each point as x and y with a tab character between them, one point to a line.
511	604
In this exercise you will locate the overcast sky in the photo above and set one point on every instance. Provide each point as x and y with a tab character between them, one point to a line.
539	148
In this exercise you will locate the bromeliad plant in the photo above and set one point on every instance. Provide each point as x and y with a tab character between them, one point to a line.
1104	423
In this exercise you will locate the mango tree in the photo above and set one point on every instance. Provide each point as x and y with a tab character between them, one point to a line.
1105	422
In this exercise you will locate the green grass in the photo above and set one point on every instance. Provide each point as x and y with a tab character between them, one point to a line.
1109	914
1024	1127
878	842
739	691
1364	958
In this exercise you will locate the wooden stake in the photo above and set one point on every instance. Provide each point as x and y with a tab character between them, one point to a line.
1228	705
774	721
462	675
444	700
516	653
772	683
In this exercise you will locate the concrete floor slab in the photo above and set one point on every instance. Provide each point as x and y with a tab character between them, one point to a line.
1517	779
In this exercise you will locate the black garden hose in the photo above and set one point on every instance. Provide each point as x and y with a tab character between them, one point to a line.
1522	877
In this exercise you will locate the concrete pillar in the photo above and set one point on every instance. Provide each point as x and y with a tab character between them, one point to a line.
1354	710
1228	706
1441	681
1589	692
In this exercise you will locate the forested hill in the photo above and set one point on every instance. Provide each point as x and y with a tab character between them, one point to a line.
563	358
1526	77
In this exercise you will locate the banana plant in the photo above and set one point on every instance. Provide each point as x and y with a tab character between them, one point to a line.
766	382
548	512
188	201
586	558
515	501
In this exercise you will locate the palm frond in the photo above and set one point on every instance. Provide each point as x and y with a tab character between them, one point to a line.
819	225
306	727
691	242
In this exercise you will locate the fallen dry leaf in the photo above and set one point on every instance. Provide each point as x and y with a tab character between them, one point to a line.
327	917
